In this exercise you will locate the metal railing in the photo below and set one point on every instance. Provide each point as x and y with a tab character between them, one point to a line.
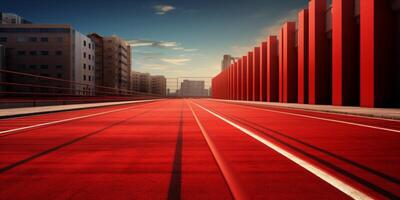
20	88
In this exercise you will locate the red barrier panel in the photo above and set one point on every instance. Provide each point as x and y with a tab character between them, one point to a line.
256	74
272	70
320	72
250	69
289	58
280	57
240	88
244	78
345	56
263	71
379	71
302	85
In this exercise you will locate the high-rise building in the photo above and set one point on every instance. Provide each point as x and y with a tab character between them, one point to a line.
144	82
113	56
191	88
226	62
158	85
57	51
135	81
11	18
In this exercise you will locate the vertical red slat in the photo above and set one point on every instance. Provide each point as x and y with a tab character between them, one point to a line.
250	76
256	74
289	58
303	57
272	70
244	78
263	71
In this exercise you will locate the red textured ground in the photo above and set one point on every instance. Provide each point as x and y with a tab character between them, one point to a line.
157	151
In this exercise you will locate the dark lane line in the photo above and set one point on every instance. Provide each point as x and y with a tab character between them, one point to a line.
175	184
327	164
44	153
343	159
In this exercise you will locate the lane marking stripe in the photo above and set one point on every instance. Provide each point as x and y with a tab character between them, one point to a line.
69	119
324	119
233	185
340	185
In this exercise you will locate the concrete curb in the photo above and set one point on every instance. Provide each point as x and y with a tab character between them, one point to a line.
381	113
21	112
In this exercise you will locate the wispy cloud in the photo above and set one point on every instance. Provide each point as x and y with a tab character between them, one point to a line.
176	61
163	9
274	29
159	44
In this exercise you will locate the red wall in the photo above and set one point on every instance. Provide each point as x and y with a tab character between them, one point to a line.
289	59
303	57
256	74
272	70
263	71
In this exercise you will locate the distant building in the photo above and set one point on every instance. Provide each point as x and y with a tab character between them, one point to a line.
226	62
158	85
114	61
193	89
57	51
135	81
144	83
11	18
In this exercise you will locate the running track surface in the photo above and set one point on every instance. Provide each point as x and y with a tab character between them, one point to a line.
198	149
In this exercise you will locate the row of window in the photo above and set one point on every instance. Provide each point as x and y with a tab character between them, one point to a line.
90	57
89	78
90	45
89	67
35	53
33	39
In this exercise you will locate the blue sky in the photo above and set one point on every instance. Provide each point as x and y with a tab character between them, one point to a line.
172	38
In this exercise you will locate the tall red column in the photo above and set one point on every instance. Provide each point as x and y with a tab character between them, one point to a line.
237	88
240	88
379	70
234	73
263	71
302	85
320	70
244	78
250	76
280	56
272	70
289	63
256	74
230	82
345	56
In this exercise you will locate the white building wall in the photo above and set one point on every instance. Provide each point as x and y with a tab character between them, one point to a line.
84	63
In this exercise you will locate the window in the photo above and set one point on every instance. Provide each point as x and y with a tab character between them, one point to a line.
84	55
84	77
90	67
84	66
3	39
22	39
59	66
32	39
58	53
90	45
59	39
44	39
21	53
90	56
33	53
84	43
44	66
90	78
44	53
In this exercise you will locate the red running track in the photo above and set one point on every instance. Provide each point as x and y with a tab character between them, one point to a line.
198	149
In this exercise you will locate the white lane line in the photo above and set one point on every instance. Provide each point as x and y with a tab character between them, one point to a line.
69	119
335	182
233	185
324	119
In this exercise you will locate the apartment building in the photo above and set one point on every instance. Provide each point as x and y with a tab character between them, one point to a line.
11	18
158	85
56	51
191	88
144	83
113	58
135	81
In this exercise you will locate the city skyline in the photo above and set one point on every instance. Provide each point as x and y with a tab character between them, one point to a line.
172	38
